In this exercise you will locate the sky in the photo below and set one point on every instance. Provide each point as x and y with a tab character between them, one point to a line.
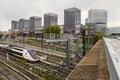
17	9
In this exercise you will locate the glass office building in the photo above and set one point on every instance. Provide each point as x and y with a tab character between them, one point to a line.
99	18
35	22
72	16
50	19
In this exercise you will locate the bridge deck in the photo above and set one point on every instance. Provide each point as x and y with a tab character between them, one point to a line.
93	66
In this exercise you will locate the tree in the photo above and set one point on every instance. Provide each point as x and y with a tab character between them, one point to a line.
53	30
1	35
98	36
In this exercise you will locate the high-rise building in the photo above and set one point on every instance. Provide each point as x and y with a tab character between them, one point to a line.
14	24
14	27
23	24
99	18
35	22
50	19
72	16
86	20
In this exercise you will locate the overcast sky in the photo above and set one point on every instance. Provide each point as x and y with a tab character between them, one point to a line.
16	9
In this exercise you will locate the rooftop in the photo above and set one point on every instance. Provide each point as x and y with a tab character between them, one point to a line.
35	17
98	10
51	14
22	19
72	9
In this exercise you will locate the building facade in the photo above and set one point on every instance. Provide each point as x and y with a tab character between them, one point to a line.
100	28
35	22
50	19
72	16
61	29
24	25
90	30
14	24
114	30
99	18
86	20
15	27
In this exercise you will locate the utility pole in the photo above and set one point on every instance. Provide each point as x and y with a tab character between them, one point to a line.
89	39
83	34
41	40
7	56
23	40
68	54
78	48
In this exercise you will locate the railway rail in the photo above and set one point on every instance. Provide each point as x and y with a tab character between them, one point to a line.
23	72
49	66
62	48
41	52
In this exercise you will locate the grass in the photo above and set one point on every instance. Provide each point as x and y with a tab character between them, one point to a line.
22	61
1	64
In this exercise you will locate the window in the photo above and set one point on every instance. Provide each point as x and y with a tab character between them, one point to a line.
18	49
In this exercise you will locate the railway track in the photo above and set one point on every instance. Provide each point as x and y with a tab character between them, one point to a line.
59	48
61	72
7	73
51	55
21	71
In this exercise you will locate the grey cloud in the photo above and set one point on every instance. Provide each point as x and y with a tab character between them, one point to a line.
16	9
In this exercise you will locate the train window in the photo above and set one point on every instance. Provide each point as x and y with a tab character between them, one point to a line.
31	52
18	49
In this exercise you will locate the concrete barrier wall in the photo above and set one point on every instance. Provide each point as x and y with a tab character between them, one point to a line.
112	69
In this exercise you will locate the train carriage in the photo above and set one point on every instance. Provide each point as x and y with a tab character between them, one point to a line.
27	54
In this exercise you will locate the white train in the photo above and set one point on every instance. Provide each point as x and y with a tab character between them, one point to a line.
27	54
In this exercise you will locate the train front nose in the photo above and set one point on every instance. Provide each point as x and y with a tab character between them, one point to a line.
32	54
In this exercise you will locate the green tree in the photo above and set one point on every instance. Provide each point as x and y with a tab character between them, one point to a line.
98	36
53	30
